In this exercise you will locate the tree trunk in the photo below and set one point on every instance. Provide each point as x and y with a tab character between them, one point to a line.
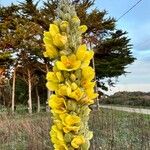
29	92
48	93
13	91
38	99
96	88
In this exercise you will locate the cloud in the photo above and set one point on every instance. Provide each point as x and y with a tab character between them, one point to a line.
139	73
141	37
137	80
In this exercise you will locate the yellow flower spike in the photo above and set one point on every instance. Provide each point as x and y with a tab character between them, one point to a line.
70	79
83	28
77	141
59	40
57	104
69	63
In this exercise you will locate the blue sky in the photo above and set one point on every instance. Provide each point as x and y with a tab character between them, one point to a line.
137	24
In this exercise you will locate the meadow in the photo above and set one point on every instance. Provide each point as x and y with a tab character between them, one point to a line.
113	130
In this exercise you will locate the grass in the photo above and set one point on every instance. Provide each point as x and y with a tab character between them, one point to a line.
113	130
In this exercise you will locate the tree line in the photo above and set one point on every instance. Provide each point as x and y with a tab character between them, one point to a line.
128	99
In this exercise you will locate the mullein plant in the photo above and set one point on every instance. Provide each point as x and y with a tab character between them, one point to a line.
71	80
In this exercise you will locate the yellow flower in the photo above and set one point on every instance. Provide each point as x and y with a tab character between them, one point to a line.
87	100
52	86
53	29
69	63
64	90
76	94
70	122
59	40
57	136
54	78
47	38
87	84
52	40
60	147
77	141
84	56
58	123
51	51
91	94
83	28
57	104
88	73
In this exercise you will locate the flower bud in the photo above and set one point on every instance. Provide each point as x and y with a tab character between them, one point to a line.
68	137
73	77
64	25
83	28
71	105
76	20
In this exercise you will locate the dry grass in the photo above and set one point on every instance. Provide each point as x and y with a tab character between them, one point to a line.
113	130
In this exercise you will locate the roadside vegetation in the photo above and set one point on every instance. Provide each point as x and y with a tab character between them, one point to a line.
134	99
113	130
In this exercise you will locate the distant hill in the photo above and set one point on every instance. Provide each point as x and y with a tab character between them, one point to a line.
128	98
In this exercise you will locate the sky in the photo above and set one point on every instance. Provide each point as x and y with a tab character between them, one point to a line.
137	24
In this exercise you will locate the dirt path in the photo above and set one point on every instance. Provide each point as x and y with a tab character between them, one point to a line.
128	109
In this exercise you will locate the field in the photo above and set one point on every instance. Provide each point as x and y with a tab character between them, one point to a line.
113	130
